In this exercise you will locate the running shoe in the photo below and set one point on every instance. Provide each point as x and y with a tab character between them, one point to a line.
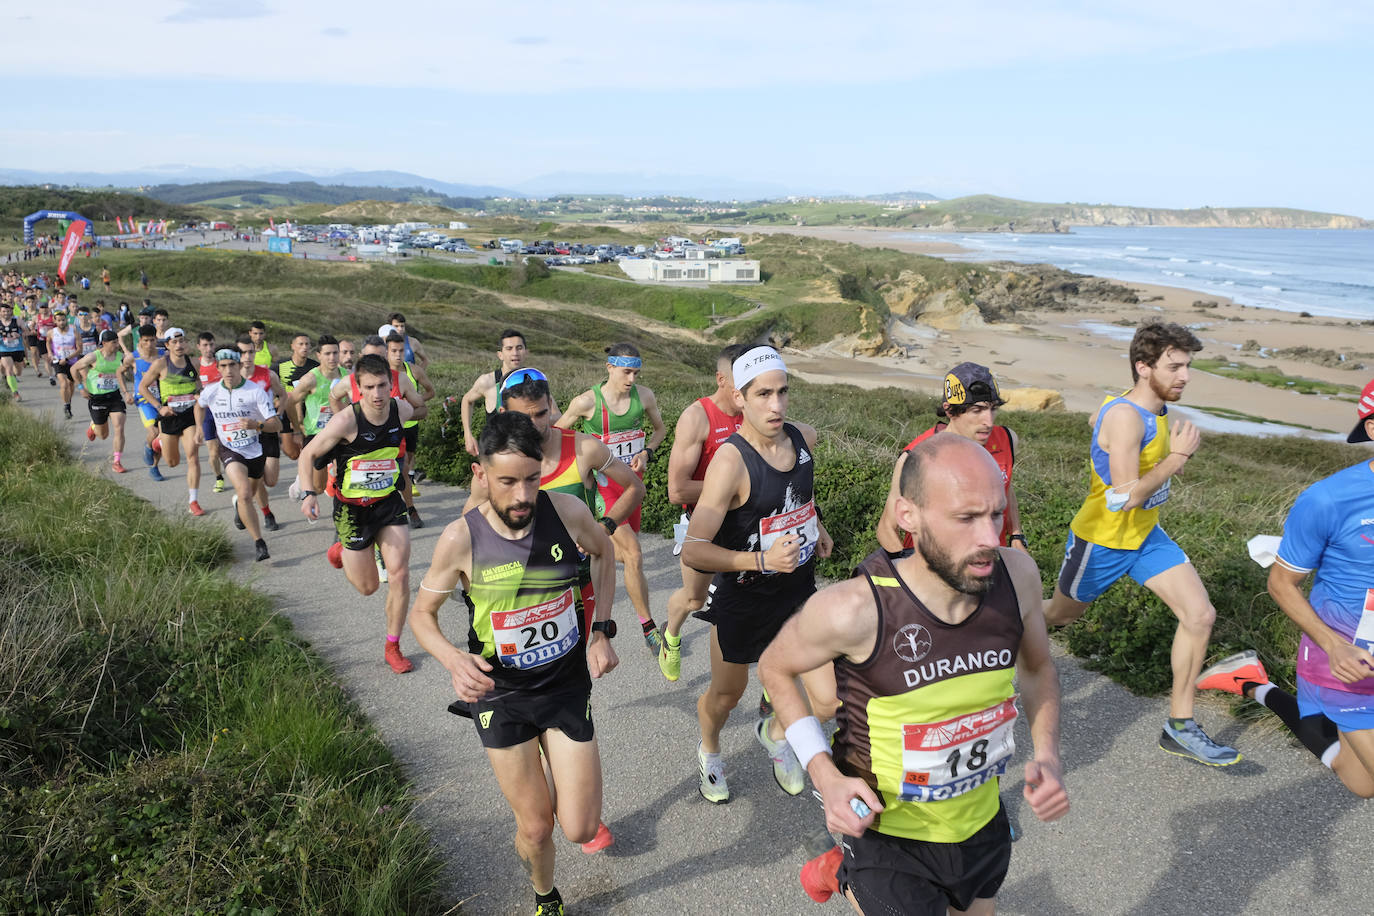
415	520
238	522
219	485
1230	674
261	546
90	431
335	555
52	380
820	876
148	455
713	787
414	491
67	409
787	769
653	638
1191	742
670	658
765	705
270	521
603	838
117	467
416	476
398	662
552	907
154	473
195	509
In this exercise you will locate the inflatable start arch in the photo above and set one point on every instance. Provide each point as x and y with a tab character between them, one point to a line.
54	214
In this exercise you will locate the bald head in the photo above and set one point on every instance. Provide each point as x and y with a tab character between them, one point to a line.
944	461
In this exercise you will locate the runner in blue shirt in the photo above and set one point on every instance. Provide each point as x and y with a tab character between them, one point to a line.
1330	533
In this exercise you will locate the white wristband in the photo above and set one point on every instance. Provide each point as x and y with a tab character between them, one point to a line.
806	739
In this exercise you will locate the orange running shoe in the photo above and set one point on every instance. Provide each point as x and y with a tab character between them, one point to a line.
90	433
398	662
599	842
1230	674
195	509
117	467
819	877
335	555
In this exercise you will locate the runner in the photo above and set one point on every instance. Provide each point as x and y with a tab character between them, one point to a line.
105	278
701	429
162	320
930	640
240	413
31	334
970	407
289	371
395	357
756	526
1116	531
62	350
42	326
365	443
257	332
141	361
614	412
207	367
526	687
512	353
12	334
1327	534
177	386
106	392
414	352
309	403
268	381
87	331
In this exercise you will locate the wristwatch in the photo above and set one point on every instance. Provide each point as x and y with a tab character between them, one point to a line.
608	523
604	626
1018	537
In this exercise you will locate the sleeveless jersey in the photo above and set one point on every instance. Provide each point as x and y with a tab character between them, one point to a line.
178	387
526	606
396	385
926	720
262	356
289	372
567	477
1127	529
780	502
262	377
366	469
11	336
209	374
90	338
623	433
63	344
140	367
103	376
999	447
720	426
317	410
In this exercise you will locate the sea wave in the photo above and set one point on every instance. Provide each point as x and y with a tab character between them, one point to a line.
1246	270
1137	247
1181	260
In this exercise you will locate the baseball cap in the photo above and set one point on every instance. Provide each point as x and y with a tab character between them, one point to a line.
387	330
107	335
970	383
173	332
1364	409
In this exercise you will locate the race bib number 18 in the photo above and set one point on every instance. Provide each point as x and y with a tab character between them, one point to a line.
949	758
535	636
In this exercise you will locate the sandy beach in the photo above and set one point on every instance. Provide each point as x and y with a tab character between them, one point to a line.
1082	353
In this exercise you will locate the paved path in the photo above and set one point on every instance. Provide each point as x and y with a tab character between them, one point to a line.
1149	834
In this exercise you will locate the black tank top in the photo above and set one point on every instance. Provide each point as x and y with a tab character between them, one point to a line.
371	436
527	616
779	502
10	334
91	334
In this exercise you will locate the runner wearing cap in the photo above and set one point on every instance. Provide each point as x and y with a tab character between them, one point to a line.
140	361
701	430
614	412
62	348
173	382
240	412
1134	455
106	392
970	409
1329	534
207	367
756	527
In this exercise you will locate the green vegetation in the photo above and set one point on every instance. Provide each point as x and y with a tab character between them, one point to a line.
1274	378
168	744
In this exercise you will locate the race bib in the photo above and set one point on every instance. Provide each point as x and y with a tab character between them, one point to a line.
372	473
1364	633
324	417
64	351
104	383
801	521
949	758
11	341
87	346
181	402
236	435
625	443
535	636
1159	497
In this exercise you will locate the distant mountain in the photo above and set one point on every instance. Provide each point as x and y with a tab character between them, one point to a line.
638	184
269	193
185	174
898	196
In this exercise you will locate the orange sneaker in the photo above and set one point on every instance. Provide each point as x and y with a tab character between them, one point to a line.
195	509
398	662
90	433
599	842
819	877
117	467
335	554
1230	674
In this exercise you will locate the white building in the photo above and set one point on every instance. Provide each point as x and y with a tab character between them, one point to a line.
455	224
714	270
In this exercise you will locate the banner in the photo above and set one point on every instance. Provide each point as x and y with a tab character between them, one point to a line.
132	227
69	246
119	227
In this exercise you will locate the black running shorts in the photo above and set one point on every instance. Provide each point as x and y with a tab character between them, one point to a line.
102	405
888	874
412	437
254	466
518	717
358	526
271	444
177	423
746	622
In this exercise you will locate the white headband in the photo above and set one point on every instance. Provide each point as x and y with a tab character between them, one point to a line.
754	363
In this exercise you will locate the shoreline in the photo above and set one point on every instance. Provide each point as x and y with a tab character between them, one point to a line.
1081	353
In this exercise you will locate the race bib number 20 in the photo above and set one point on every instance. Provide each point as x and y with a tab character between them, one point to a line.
535	636
949	758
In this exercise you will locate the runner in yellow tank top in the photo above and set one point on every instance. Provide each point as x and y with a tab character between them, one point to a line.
1116	532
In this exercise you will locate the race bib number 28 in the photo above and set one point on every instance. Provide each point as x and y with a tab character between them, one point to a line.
949	758
535	636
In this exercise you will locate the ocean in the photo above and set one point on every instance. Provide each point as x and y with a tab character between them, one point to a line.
1322	271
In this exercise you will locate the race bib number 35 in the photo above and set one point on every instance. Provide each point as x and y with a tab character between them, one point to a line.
949	758
535	636
800	521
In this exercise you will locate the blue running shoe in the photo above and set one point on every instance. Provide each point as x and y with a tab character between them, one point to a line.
148	455
1191	742
154	473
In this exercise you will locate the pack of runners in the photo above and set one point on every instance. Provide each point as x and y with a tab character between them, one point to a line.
896	692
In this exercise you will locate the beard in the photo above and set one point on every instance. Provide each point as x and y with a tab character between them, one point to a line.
515	524
1164	392
954	573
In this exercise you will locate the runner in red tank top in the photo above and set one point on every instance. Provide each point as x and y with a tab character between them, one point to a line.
970	409
702	428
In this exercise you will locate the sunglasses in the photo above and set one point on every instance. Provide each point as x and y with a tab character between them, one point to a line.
519	376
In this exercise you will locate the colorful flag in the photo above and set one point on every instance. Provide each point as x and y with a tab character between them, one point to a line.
119	227
69	246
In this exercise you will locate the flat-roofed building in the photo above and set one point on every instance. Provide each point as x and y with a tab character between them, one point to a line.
704	270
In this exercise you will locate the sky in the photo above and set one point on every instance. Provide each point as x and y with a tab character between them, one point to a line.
1164	103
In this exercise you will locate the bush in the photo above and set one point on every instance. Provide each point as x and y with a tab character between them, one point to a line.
850	287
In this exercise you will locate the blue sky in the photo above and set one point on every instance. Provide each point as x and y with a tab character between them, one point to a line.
1157	104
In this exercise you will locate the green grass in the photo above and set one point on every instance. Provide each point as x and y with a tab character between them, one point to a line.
168	743
1274	378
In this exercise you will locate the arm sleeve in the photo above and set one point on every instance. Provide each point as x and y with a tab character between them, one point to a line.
1305	532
